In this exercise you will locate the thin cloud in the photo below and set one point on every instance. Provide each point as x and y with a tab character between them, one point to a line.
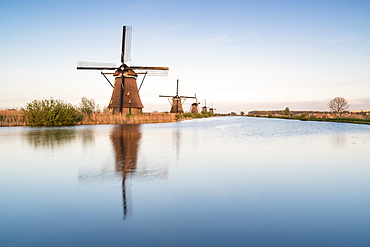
328	41
11	16
253	35
205	45
217	40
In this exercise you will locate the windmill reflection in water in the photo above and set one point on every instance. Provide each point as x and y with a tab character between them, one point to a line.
125	140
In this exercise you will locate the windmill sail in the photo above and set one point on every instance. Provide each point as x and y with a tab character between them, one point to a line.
96	65
126	45
125	97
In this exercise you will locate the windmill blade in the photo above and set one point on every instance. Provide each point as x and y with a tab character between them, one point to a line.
126	44
177	87
151	71
167	96
187	97
96	65
148	68
154	72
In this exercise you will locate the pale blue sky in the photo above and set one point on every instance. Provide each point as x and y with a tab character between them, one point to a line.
239	55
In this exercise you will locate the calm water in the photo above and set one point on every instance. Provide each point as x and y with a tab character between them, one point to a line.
230	181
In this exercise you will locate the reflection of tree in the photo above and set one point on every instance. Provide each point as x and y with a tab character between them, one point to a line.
50	136
125	140
40	137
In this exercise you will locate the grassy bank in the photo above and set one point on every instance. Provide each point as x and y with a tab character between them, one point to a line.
15	118
335	119
12	118
106	118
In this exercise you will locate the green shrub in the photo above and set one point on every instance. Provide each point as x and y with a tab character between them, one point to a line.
50	113
304	116
194	115
187	114
197	115
287	111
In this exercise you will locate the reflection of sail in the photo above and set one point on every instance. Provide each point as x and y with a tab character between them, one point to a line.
177	139
125	141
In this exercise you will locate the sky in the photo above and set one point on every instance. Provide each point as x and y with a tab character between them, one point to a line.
237	55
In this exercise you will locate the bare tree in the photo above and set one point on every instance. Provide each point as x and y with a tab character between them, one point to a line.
87	106
338	105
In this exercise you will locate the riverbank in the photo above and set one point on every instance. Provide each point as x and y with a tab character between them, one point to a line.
334	119
355	117
10	118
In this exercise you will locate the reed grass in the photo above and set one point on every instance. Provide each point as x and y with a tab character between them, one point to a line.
305	117
12	118
107	118
15	118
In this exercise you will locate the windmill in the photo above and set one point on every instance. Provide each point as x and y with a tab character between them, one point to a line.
176	106
125	97
204	108
212	109
194	106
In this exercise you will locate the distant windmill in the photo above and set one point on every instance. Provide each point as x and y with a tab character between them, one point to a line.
125	97
205	108
176	106
212	109
194	106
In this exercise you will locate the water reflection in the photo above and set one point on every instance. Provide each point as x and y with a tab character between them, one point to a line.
339	141
125	140
176	140
41	137
244	181
50	137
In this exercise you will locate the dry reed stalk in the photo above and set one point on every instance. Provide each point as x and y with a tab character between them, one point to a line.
11	118
15	118
106	118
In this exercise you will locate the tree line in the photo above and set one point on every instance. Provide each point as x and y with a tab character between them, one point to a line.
55	112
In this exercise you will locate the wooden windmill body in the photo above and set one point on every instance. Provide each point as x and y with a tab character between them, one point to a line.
125	97
205	108
194	106
177	101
